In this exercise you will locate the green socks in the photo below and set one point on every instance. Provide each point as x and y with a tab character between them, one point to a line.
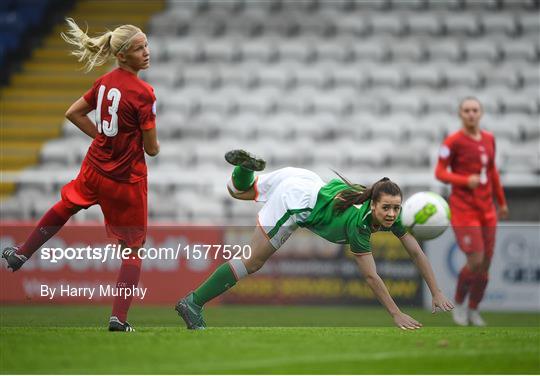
242	178
220	281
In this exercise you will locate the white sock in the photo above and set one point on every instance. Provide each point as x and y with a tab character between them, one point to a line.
238	268
231	186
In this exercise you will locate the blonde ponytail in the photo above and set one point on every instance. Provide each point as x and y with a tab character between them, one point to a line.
97	51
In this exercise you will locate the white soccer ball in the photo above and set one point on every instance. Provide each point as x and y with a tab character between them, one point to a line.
426	215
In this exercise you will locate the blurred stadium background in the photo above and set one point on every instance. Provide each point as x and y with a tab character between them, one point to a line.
369	88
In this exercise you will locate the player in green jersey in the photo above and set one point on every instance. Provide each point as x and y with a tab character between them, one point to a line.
338	211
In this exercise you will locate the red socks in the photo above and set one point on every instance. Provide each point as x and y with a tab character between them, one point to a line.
473	284
50	224
463	284
128	277
478	287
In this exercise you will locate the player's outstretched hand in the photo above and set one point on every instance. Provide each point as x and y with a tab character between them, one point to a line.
441	303
404	321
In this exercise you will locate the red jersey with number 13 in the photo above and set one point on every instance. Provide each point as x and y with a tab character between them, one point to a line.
125	106
466	157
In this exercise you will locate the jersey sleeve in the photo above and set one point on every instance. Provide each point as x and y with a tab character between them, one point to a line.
446	154
147	110
359	241
496	181
90	95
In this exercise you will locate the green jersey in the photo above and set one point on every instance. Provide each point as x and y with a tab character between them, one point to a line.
353	226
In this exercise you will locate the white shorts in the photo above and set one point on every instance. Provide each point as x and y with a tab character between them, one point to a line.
289	195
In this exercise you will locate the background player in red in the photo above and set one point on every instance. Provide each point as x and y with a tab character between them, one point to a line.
113	174
470	154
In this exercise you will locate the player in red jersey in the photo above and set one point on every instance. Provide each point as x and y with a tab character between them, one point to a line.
113	174
470	154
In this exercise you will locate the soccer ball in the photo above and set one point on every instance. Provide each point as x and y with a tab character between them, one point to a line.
426	215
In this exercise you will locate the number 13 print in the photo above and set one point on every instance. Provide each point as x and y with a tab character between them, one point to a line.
114	95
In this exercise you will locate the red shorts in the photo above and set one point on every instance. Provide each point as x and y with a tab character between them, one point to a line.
475	230
124	205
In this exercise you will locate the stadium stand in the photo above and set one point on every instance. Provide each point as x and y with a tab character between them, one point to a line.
359	86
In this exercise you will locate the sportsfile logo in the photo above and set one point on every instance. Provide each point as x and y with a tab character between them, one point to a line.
117	252
109	252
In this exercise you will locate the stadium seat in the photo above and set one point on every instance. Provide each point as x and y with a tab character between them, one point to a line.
423	76
371	50
260	101
167	74
388	130
408	50
407	103
182	50
459	75
497	75
500	128
241	126
436	5
530	77
220	50
346	76
520	4
446	49
530	24
527	124
310	76
275	76
520	103
482	49
386	76
297	50
424	23
243	77
281	127
410	5
385	23
461	24
352	25
498	23
332	51
520	50
319	127
199	76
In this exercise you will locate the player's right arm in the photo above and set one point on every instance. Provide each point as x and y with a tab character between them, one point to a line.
366	263
442	173
77	114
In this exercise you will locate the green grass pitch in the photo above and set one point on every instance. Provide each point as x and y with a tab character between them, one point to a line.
262	340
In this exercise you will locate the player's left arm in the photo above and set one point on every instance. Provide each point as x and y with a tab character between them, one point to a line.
147	120
498	188
422	263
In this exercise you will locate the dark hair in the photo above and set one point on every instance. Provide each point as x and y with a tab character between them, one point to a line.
357	194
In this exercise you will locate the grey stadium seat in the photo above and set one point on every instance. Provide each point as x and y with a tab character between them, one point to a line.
482	49
407	49
446	49
423	75
424	23
499	23
461	23
460	75
388	23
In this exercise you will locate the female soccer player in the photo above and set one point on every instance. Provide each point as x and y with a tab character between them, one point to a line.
470	153
338	211
113	174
